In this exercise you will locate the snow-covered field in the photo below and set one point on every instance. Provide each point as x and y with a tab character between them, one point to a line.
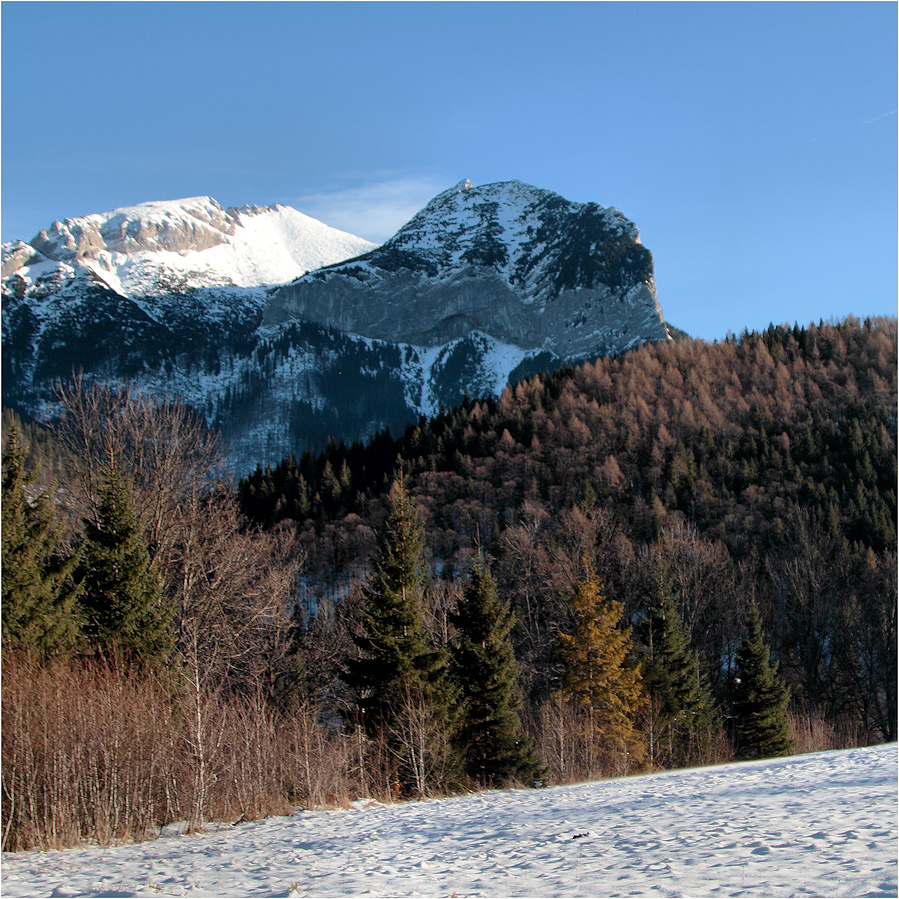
814	825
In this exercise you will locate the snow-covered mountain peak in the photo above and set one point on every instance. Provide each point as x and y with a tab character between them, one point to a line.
196	223
179	245
285	331
510	226
459	188
517	262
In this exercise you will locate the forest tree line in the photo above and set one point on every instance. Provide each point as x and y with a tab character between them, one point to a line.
677	556
762	468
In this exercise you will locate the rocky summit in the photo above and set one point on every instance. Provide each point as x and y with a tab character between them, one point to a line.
285	333
520	264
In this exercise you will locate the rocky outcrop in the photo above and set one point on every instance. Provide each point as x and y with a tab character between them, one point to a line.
179	226
16	255
518	263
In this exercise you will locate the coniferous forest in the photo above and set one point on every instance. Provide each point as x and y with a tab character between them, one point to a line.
682	555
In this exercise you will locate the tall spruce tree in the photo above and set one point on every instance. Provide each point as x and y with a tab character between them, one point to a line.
682	723
601	674
760	699
485	669
126	613
402	691
40	609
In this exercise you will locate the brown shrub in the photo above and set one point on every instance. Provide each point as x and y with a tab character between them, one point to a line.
93	752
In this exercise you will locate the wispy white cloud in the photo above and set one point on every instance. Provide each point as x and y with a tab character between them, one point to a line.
374	210
877	118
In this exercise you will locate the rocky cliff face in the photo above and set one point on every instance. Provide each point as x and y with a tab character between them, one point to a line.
520	264
285	333
186	225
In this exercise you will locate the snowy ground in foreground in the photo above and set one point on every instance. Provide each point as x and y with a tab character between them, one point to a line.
814	825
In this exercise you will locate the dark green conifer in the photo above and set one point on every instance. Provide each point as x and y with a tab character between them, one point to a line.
40	610
760	699
485	668
125	610
394	649
681	708
399	679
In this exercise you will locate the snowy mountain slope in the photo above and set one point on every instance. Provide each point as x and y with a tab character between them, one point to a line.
303	384
271	391
519	263
814	825
180	245
485	285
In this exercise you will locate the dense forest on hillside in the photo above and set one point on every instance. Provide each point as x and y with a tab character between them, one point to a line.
681	555
762	467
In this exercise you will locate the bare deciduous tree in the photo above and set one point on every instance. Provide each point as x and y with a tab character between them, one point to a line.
165	448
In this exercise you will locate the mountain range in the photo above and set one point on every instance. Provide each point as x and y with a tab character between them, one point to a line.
285	333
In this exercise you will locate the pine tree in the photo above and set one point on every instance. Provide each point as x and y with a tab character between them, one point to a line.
402	691
40	609
601	673
760	699
682	718
484	666
393	645
125	610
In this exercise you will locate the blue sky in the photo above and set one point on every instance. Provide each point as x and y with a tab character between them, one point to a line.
754	144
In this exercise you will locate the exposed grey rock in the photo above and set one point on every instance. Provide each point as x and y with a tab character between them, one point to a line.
518	263
182	225
17	254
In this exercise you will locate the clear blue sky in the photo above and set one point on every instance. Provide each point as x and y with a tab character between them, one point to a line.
754	144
